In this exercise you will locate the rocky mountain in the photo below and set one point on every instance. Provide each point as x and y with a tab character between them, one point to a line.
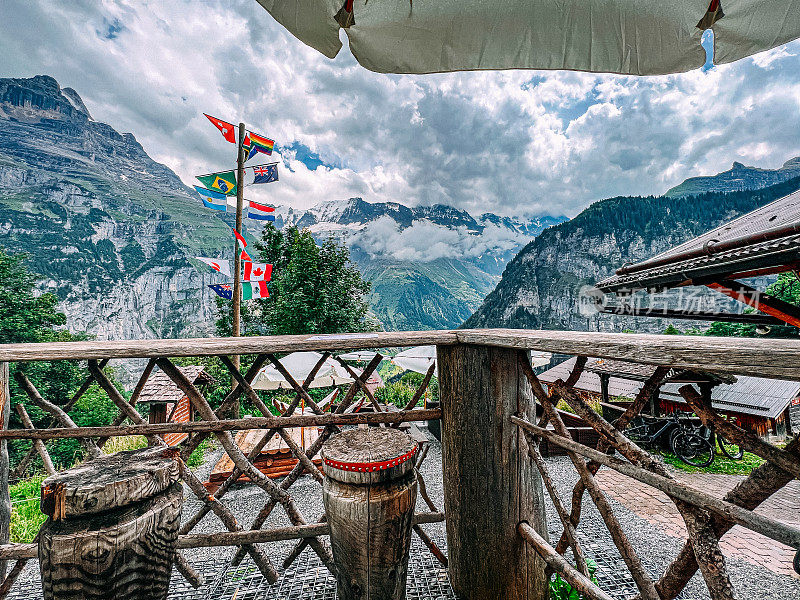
108	229
737	178
541	287
111	231
430	266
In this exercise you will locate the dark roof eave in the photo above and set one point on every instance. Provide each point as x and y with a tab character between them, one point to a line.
675	276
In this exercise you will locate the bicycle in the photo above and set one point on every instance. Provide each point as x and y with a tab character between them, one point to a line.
687	443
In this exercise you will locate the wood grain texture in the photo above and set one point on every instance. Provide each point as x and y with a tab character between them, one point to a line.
370	528
305	420
217	346
109	482
490	485
760	357
125	554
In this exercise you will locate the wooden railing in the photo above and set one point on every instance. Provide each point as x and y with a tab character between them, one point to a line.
493	474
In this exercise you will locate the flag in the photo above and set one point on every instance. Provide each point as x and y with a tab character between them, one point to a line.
224	127
257	289
260	212
245	257
223	290
246	142
212	199
224	181
222	266
259	143
265	173
257	272
240	239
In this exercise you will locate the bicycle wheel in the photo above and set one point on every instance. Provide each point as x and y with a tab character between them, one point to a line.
693	449
730	450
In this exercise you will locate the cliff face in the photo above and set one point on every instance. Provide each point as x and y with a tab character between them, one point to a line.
108	229
739	177
541	286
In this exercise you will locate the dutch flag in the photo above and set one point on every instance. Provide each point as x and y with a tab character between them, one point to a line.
260	212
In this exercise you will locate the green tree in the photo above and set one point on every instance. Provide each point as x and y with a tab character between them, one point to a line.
29	317
314	289
786	288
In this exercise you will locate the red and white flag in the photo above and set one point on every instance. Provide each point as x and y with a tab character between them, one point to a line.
222	266
245	257
257	272
240	239
225	128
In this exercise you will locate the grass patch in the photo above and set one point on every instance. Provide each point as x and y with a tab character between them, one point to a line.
721	465
26	516
198	457
125	442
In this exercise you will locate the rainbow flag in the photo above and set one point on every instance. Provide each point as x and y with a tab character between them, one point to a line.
259	143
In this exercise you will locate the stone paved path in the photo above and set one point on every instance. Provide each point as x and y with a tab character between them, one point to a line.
657	508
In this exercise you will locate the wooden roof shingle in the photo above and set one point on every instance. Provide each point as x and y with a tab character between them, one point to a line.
160	388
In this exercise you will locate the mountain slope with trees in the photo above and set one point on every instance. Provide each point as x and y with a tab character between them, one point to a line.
540	287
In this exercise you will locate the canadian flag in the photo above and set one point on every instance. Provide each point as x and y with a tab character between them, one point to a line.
225	128
257	271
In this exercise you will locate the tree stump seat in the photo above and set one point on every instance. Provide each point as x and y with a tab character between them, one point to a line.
111	528
369	493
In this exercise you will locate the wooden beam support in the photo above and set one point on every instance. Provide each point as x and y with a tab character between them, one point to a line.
577	580
326	420
490	485
56	411
276	493
780	532
732	432
5	498
297	471
38	444
256	450
775	307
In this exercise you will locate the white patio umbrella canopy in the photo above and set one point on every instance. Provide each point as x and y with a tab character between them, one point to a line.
358	356
418	359
611	36
299	365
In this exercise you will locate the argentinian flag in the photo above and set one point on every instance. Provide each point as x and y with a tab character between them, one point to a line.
212	199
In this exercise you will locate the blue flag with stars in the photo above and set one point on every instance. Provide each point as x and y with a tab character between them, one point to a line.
265	173
223	290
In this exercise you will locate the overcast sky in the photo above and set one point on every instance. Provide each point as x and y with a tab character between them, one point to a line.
515	143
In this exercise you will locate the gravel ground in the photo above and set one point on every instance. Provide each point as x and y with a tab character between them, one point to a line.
656	550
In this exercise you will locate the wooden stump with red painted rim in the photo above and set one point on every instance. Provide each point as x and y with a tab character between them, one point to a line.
370	492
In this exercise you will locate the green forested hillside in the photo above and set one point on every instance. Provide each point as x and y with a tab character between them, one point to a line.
541	285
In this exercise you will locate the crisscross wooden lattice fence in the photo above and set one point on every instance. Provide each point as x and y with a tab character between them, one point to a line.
249	537
494	476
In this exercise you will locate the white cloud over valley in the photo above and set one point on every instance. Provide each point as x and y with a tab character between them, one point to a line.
513	143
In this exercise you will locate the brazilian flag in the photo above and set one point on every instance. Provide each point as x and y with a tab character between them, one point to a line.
224	182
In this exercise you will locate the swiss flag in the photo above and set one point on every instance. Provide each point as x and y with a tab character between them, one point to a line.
257	271
227	129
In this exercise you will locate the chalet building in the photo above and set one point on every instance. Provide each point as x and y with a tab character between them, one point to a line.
767	407
765	241
167	403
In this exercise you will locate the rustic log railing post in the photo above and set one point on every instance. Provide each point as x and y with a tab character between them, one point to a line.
5	499
490	486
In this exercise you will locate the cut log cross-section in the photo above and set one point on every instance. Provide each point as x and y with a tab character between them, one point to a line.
112	527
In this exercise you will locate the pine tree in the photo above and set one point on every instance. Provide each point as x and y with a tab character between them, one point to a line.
314	289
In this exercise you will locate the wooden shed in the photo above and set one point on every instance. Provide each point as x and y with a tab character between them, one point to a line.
767	407
167	403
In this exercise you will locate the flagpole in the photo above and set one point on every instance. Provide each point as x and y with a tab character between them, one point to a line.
237	259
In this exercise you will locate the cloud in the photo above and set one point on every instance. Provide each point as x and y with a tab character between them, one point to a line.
424	241
514	143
